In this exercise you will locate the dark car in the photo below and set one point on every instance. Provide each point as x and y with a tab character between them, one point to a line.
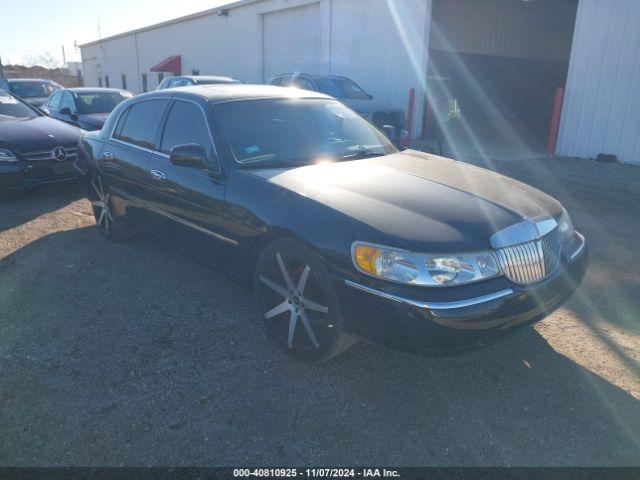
33	90
351	94
190	80
86	108
34	148
340	233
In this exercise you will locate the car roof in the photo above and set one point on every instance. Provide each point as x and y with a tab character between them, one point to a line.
317	77
229	92
94	90
20	80
214	78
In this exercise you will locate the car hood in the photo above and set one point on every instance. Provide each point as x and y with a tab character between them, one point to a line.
37	133
369	106
422	202
95	120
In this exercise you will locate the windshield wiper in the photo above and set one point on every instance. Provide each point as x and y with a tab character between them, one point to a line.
363	154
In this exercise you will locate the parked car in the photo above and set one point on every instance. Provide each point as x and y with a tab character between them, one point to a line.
34	149
352	95
33	90
86	108
340	233
189	80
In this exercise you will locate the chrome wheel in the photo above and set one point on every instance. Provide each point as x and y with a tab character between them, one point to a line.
300	315
101	206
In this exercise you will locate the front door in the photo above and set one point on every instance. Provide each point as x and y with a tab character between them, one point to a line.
189	202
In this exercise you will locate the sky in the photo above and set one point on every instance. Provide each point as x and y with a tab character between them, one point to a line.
34	27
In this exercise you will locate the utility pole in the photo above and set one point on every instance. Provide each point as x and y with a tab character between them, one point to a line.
64	58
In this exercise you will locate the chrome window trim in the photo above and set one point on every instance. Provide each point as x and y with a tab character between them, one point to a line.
126	109
121	142
206	121
433	305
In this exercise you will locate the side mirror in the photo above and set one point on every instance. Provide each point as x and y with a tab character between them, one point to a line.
389	131
67	111
190	155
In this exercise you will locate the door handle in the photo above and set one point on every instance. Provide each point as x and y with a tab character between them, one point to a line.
158	175
108	156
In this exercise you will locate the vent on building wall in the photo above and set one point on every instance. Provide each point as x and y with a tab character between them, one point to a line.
223	12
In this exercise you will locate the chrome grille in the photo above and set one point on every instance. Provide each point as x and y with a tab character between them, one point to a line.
37	155
532	261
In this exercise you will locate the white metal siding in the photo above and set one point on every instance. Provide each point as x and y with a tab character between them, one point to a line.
601	112
291	40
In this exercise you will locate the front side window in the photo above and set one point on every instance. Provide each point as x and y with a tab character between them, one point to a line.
11	108
99	102
292	132
140	125
303	83
32	89
54	100
186	123
67	102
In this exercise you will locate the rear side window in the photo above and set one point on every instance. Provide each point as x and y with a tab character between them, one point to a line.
141	123
186	123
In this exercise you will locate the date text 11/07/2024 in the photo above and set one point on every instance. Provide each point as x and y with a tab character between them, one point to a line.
316	472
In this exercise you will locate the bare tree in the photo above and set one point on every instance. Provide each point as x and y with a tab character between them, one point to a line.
46	60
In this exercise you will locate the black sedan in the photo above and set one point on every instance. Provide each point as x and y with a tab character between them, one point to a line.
34	149
33	90
86	108
341	234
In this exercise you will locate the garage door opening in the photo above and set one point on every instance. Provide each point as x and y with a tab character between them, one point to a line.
494	69
291	41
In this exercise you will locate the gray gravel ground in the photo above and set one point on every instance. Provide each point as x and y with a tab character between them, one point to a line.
136	354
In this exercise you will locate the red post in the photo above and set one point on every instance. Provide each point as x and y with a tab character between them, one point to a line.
555	121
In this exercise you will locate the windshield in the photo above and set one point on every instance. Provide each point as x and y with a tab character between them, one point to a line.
32	89
293	132
341	88
11	108
99	102
219	81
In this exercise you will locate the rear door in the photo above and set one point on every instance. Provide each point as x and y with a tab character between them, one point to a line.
190	201
126	155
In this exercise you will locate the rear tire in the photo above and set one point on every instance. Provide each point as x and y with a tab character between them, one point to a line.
112	227
298	303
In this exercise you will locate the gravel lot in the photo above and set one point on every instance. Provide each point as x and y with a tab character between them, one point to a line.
136	354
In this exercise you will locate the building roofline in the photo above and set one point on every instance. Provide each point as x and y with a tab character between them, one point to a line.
191	16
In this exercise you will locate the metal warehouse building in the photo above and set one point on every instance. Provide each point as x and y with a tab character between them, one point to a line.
557	74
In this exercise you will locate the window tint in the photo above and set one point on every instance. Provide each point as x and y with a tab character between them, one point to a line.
186	124
141	122
278	81
54	100
67	101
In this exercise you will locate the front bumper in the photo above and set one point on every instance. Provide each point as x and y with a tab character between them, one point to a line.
21	175
456	319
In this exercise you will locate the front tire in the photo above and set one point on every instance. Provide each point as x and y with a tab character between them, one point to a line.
109	225
298	303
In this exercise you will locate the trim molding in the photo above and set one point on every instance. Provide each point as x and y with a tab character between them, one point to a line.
433	305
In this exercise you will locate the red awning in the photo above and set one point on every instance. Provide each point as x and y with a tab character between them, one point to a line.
171	64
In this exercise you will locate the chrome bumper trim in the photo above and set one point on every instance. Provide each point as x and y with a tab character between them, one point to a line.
580	249
433	305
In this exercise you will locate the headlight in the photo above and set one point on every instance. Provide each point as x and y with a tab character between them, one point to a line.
424	269
7	156
566	227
